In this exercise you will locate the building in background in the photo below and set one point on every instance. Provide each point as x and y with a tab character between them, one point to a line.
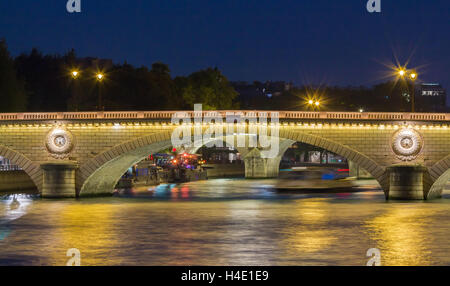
5	165
255	95
431	97
3	161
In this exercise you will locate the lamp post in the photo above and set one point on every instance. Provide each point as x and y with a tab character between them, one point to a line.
75	75
313	103
412	75
100	78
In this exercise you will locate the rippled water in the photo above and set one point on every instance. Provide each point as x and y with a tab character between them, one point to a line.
224	222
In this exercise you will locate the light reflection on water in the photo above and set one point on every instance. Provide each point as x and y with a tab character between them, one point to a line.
224	222
402	234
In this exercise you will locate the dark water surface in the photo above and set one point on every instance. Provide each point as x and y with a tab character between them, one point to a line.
224	222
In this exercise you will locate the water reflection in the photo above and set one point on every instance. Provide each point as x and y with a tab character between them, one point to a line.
310	234
221	189
88	227
246	238
401	234
14	207
223	222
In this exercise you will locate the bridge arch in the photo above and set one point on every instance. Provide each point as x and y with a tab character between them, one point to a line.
225	140
439	174
197	146
377	171
100	174
33	170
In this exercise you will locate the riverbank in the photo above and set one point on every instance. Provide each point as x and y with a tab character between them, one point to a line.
208	171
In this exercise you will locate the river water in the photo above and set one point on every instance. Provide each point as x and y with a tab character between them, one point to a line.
224	222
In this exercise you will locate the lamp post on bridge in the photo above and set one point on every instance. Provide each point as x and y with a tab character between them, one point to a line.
412	75
100	77
75	74
314	104
75	77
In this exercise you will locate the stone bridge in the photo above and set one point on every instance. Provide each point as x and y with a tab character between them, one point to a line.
86	153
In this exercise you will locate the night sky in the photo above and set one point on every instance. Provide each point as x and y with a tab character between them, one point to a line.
304	41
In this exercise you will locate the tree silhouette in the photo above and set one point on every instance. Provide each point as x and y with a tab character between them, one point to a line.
12	90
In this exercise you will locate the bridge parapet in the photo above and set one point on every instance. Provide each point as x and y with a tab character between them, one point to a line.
374	116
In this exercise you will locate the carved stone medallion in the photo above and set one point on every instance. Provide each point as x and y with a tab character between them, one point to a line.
59	142
407	144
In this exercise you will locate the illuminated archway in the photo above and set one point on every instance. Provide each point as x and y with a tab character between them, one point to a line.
439	175
101	174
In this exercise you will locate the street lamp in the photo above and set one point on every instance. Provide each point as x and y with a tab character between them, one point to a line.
314	103
412	75
75	74
100	77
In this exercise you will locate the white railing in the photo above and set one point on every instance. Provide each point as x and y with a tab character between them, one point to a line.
9	168
389	116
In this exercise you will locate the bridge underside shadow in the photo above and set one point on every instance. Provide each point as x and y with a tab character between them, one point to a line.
32	169
256	166
104	179
101	174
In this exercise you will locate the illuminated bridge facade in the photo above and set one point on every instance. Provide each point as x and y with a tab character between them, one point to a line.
86	153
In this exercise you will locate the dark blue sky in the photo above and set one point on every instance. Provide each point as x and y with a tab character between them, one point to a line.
304	41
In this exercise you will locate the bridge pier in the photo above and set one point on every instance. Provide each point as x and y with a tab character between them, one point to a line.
59	179
258	167
406	182
358	172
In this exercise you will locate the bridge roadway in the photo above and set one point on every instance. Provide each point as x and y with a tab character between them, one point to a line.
69	154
